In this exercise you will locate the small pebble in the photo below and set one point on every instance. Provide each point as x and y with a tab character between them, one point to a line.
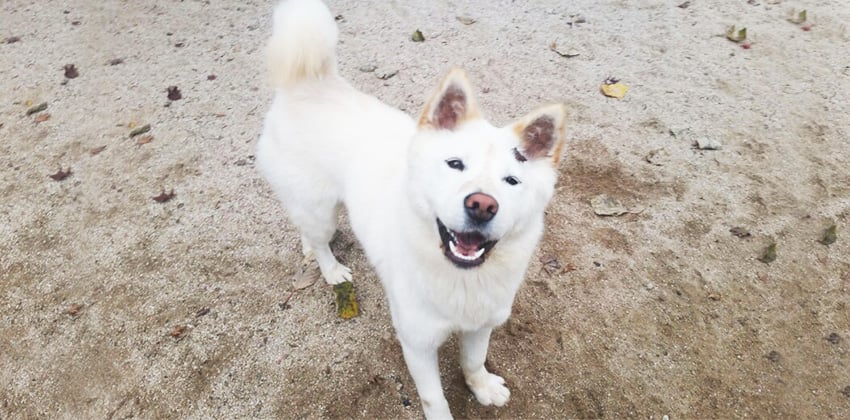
368	68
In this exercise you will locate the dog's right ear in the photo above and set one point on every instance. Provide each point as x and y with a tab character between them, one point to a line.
451	105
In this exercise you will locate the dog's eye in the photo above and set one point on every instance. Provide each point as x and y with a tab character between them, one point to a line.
511	180
455	164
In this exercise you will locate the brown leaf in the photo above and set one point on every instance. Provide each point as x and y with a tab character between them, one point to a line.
178	331
164	196
97	150
74	310
42	117
58	176
684	5
211	77
115	61
71	71
144	139
740	232
174	93
12	39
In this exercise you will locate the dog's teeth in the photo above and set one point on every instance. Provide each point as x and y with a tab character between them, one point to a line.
479	253
474	257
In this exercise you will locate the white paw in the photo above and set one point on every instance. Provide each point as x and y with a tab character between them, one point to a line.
338	274
488	388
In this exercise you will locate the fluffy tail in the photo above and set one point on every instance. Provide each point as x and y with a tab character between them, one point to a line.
303	43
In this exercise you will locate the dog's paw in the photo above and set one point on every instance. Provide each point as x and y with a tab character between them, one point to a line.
338	274
489	389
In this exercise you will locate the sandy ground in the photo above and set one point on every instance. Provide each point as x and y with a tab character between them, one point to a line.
113	305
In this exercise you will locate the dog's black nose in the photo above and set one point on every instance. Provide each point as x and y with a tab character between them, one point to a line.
480	207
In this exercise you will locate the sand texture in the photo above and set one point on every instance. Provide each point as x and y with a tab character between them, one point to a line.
115	305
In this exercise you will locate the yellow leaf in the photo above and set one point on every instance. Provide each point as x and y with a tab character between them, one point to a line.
615	90
346	302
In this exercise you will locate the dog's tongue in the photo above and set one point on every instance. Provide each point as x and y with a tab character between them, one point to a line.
468	243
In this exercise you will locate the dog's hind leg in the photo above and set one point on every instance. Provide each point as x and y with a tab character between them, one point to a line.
317	221
311	205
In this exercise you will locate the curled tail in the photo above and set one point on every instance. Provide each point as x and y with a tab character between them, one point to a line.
303	43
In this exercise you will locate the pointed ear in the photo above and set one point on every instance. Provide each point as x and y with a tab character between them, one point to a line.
451	105
541	133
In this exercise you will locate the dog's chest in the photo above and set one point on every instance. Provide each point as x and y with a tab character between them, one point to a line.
468	304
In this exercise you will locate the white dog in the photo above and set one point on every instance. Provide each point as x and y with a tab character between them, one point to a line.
448	208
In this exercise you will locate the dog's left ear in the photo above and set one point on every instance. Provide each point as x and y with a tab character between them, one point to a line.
451	105
541	133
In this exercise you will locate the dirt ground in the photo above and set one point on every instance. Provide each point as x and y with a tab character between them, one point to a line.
113	305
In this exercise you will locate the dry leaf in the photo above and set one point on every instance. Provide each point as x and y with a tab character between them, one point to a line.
740	232
705	143
144	139
140	130
796	17
769	254
178	331
42	117
74	310
604	205
71	71
614	90
174	93
37	108
307	274
417	36
829	236
60	175
346	302
734	36
97	150
465	20
568	53
164	196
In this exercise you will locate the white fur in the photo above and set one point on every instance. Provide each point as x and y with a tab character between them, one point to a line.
324	144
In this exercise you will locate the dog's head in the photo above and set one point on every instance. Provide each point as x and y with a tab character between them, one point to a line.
477	184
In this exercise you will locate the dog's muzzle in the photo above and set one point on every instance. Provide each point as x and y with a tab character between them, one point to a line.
464	249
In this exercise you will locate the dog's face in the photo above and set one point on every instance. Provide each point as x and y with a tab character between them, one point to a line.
477	184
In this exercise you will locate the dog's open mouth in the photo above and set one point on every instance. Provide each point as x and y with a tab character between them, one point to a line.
464	249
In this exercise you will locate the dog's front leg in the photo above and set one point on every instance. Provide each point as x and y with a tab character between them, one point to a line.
422	363
488	388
